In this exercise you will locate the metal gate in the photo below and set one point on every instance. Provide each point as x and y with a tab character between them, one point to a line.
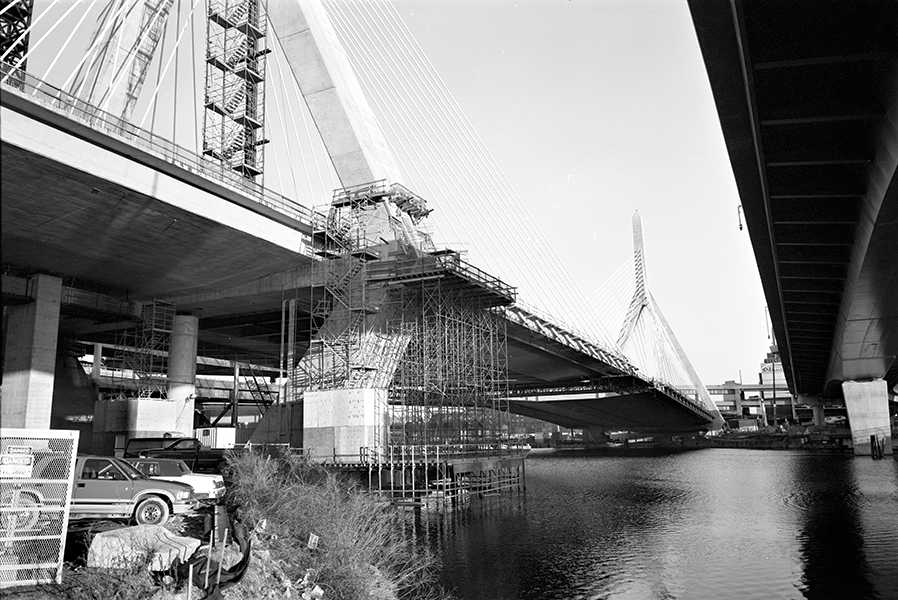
36	470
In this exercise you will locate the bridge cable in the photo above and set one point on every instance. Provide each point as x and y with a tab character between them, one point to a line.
92	49
155	93
27	31
402	113
131	57
463	125
33	46
62	49
438	137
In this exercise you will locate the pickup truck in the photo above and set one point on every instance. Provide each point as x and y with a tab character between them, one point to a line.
104	488
198	457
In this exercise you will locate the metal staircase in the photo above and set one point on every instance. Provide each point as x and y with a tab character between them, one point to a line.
233	122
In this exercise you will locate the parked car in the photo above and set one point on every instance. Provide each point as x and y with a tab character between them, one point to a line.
103	487
111	488
198	457
205	486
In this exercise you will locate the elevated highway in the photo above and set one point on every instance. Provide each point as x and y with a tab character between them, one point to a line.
124	218
807	96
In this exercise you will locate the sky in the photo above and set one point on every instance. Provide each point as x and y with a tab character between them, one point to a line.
596	109
592	109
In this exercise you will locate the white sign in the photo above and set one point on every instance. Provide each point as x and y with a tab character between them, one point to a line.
16	465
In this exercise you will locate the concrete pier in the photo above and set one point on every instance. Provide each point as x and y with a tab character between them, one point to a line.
29	364
182	371
868	413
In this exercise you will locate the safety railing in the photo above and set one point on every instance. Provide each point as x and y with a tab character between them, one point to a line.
36	90
440	261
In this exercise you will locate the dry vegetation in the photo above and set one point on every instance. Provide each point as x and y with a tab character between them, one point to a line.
363	551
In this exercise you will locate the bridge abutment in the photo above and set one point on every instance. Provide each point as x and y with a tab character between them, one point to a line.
868	413
29	366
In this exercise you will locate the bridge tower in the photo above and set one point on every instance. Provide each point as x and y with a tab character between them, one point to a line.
644	310
384	301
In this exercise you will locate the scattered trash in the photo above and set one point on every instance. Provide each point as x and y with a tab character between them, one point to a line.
308	589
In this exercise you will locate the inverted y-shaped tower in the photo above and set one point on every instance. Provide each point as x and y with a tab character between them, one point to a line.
644	314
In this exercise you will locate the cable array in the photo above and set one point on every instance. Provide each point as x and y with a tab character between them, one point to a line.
445	160
440	153
63	61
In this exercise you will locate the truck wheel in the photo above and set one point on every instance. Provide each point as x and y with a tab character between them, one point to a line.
151	511
28	502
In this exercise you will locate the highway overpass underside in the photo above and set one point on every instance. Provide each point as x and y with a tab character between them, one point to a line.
107	240
114	229
807	97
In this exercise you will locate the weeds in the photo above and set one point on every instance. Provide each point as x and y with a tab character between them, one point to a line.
363	551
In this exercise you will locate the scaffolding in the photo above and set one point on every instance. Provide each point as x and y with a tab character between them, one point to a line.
391	312
15	26
142	354
451	386
233	120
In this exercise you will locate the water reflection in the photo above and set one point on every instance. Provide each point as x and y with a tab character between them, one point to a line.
716	523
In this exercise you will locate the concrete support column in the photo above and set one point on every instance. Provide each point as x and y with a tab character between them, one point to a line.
816	408
182	370
98	363
337	424
594	435
819	416
29	364
868	412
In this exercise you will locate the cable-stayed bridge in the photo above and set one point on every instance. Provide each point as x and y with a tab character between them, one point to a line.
149	233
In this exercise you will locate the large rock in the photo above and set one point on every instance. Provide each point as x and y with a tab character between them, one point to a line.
131	546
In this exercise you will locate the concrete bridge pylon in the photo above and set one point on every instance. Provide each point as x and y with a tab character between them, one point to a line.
643	307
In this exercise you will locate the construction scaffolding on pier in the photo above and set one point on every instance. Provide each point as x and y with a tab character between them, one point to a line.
394	317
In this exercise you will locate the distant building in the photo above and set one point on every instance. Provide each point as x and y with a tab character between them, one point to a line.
768	401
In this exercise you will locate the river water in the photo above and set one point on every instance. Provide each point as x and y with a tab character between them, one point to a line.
705	524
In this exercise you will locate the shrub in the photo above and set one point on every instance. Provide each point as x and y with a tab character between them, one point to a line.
363	549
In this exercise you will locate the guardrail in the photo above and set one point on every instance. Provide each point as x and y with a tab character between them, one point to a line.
440	261
31	88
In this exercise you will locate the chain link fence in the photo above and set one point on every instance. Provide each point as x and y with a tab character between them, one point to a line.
36	471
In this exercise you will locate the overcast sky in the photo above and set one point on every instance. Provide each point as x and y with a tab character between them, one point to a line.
596	109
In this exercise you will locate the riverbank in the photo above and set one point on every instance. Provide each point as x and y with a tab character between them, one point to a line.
304	533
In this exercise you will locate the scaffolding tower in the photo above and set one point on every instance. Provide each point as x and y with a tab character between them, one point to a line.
233	120
408	318
451	386
142	353
15	25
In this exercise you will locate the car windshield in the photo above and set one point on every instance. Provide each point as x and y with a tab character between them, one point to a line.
131	471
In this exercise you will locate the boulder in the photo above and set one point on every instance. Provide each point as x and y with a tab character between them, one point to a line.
142	544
